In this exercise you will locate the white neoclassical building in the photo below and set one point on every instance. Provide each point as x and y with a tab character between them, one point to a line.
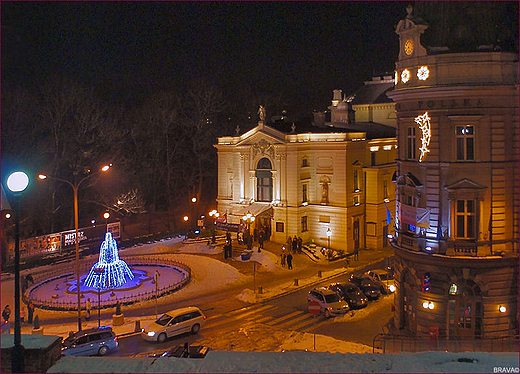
329	187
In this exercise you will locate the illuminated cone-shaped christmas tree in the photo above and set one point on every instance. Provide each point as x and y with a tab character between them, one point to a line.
109	272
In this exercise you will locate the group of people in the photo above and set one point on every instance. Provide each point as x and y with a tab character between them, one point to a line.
6	313
295	244
286	256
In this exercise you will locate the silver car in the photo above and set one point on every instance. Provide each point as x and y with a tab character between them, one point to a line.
174	322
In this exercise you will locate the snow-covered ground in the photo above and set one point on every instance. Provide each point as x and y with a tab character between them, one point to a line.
289	351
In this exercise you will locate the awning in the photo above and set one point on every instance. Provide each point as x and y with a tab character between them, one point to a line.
255	209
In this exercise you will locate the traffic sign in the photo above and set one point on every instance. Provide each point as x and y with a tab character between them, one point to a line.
314	307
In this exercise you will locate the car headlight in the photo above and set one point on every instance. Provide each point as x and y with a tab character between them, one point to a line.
391	288
151	333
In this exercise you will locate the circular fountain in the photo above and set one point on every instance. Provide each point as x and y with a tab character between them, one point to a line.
110	278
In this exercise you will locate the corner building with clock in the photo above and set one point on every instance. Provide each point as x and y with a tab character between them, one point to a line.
457	186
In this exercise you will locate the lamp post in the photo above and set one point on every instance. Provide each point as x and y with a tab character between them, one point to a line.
156	281
75	187
329	234
249	218
106	216
17	182
99	272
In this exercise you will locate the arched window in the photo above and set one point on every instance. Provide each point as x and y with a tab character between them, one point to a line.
264	178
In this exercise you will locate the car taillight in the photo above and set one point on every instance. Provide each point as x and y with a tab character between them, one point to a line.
115	339
204	316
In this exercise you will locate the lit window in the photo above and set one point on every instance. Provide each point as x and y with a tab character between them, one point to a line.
423	73
405	76
465	219
356	181
410	143
465	143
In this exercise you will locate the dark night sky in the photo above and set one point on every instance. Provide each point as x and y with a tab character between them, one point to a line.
301	49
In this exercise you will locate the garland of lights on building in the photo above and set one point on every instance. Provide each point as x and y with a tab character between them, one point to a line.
110	271
424	124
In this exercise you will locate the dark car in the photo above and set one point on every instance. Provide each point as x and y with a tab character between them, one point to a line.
187	351
351	293
369	288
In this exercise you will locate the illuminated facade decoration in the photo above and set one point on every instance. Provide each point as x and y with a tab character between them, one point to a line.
457	215
424	124
405	76
110	271
423	73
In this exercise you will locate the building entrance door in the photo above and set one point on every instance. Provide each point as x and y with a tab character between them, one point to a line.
356	234
464	317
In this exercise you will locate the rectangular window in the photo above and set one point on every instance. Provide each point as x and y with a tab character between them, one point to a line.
385	190
304	192
410	143
356	200
304	163
466	219
264	189
372	158
465	143
356	181
279	227
304	223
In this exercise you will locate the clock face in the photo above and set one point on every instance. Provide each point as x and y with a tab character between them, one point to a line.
408	47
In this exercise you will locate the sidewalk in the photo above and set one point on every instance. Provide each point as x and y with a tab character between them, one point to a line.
305	272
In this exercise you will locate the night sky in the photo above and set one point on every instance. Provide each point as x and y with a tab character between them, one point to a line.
302	50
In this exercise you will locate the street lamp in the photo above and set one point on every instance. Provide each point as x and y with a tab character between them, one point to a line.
329	234
106	216
156	281
75	186
17	182
99	272
248	218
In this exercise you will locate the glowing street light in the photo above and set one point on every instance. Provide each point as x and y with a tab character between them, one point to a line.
75	186
329	234
17	182
106	216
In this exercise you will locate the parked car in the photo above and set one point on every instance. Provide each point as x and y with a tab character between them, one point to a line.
95	341
174	322
369	288
384	277
351	293
331	304
187	351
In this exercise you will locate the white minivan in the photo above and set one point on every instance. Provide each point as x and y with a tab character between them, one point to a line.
174	322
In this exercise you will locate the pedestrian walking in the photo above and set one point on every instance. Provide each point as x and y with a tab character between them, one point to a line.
295	244
289	260
282	261
30	312
228	236
289	242
88	308
299	245
6	313
22	313
261	240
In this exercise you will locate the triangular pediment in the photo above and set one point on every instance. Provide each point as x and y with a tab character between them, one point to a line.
357	163
261	134
465	184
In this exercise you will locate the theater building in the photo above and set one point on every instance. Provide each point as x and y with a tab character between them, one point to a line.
457	184
329	185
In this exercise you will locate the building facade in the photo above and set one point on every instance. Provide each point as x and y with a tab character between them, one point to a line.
331	187
457	187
